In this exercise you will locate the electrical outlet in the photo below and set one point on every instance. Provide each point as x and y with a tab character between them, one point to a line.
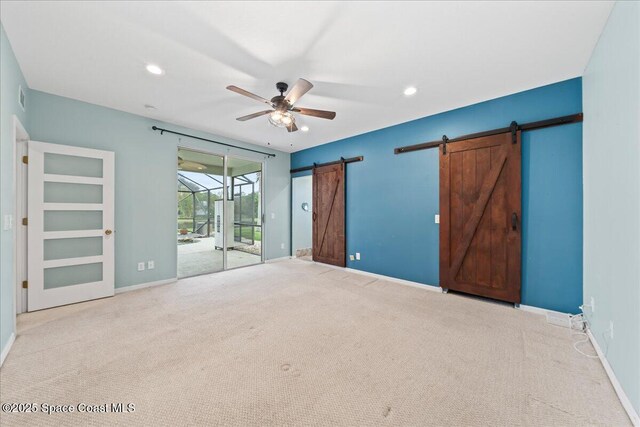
352	258
141	266
611	328
358	256
593	304
151	265
437	219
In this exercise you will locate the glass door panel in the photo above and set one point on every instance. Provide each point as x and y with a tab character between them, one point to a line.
200	185
244	211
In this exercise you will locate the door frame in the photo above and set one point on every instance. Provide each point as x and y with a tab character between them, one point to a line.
20	140
225	158
291	214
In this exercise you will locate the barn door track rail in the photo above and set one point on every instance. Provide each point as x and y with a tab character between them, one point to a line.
513	128
317	165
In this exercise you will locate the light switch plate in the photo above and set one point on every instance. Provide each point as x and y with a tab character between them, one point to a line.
151	265
437	219
8	222
141	266
352	258
358	256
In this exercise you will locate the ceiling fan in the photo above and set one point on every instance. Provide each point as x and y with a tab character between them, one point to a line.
189	165
283	106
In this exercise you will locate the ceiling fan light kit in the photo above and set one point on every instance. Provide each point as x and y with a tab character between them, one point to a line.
282	106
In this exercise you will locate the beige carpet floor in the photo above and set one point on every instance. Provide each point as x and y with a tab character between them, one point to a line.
297	343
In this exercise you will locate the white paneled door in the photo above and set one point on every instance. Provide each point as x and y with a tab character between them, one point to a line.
70	224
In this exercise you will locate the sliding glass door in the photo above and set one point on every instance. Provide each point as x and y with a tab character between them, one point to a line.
219	212
244	195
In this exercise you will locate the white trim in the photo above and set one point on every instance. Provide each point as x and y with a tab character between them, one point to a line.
73	206
67	262
49	177
71	234
404	282
19	192
624	400
145	285
396	280
280	259
7	348
538	310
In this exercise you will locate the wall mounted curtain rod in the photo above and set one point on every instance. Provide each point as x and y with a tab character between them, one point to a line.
574	118
317	165
210	140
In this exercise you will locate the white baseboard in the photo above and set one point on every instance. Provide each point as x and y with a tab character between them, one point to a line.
538	310
396	280
145	285
626	403
7	348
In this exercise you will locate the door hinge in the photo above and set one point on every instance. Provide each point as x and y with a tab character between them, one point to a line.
25	221
25	284
25	160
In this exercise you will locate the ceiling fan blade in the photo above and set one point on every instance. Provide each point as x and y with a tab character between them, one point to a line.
236	89
292	128
330	115
254	115
300	88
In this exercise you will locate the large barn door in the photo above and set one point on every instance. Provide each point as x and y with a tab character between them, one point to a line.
480	229
328	214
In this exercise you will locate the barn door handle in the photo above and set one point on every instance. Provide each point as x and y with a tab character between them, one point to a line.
315	216
514	221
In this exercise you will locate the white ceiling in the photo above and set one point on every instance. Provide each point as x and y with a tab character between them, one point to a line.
359	55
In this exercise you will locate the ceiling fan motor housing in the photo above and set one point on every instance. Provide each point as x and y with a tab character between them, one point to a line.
282	87
279	103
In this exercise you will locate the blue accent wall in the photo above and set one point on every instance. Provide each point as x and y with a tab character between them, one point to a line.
392	199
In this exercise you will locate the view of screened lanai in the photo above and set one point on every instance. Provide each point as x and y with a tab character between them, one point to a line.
214	234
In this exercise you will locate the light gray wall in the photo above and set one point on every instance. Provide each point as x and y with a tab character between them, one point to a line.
10	78
302	233
611	150
145	189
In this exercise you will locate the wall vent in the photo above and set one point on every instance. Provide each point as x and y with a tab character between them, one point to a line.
21	98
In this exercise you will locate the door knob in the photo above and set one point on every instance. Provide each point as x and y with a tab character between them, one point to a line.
108	232
514	221
315	215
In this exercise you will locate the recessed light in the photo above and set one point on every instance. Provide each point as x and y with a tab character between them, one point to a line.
304	128
411	90
154	69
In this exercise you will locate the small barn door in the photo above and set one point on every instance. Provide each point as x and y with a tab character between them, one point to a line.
480	211
328	214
